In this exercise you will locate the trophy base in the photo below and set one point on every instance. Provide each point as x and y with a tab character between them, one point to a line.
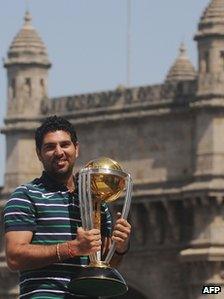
97	281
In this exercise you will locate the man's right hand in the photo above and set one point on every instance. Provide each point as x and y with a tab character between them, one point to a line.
86	242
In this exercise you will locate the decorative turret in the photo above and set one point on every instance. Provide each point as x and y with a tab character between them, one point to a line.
212	20
182	69
210	38
27	64
27	67
27	47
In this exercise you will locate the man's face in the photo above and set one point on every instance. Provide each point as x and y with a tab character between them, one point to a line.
58	153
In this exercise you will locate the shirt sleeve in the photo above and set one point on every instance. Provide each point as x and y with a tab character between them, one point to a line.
106	221
19	212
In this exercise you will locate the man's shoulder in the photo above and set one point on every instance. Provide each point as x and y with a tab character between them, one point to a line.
33	185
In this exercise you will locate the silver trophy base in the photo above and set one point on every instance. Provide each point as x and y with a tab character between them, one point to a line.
97	281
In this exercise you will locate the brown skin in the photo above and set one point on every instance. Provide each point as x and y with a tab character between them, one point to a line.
58	155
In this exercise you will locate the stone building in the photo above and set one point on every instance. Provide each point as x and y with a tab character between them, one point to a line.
168	136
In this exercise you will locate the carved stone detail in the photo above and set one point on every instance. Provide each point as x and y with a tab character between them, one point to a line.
117	98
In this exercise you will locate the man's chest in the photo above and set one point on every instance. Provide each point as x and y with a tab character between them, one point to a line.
57	217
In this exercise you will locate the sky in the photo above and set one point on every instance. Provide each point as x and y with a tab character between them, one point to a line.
87	42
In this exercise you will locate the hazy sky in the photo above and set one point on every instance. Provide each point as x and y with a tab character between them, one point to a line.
86	42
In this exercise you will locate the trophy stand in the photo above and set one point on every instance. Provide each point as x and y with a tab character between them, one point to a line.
101	180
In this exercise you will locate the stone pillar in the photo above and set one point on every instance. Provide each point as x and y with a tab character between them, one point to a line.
203	259
208	145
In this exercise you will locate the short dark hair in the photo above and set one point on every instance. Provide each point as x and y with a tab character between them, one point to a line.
52	124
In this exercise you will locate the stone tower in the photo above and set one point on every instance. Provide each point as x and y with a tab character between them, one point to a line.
210	39
204	257
27	67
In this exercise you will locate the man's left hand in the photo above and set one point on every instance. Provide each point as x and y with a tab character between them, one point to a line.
121	234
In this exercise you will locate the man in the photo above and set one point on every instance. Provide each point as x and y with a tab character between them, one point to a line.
44	237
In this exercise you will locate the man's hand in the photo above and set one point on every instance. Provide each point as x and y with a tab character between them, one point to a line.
121	234
86	242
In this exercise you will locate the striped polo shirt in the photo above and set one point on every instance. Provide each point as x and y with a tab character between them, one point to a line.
52	213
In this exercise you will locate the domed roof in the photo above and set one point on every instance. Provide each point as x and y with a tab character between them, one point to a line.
182	69
212	20
27	46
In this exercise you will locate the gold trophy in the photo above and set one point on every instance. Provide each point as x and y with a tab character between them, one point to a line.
101	180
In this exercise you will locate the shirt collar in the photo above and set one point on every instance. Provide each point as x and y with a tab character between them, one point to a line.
51	183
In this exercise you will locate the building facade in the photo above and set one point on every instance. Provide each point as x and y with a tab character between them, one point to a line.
168	136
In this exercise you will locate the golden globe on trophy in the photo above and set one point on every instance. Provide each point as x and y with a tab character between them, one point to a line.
100	181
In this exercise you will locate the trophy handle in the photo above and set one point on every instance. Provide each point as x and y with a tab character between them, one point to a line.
86	206
124	214
85	203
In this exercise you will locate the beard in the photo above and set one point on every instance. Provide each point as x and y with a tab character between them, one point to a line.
59	169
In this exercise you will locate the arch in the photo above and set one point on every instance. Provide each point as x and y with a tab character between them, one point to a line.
180	88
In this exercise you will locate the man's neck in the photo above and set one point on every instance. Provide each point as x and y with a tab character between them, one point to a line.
70	183
67	181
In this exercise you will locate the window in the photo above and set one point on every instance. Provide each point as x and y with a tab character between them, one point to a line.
13	87
222	60
42	88
27	87
206	59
